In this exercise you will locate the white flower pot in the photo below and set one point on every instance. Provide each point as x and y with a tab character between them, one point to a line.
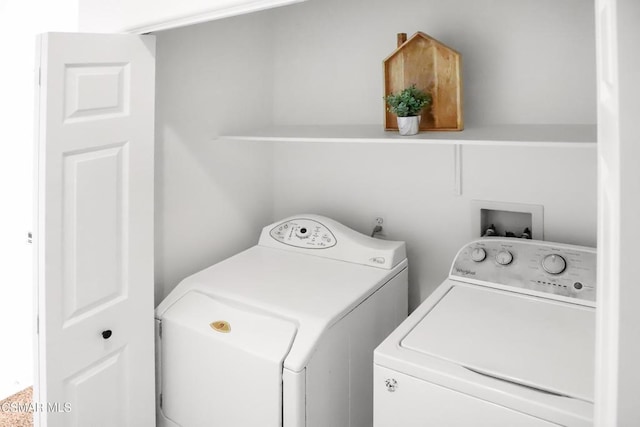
408	125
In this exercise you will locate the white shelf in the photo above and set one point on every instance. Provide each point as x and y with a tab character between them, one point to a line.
573	136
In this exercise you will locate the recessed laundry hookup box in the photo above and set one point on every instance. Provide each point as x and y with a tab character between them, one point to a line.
505	219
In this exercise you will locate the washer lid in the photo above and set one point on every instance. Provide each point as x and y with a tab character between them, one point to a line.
544	344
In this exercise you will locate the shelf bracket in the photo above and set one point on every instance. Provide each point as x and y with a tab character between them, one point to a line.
457	170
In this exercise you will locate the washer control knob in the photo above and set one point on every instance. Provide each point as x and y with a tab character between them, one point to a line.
554	264
478	254
504	257
303	232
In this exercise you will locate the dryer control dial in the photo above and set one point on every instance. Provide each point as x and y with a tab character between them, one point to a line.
504	257
303	233
554	264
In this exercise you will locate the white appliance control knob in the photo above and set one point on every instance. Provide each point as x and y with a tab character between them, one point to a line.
554	264
478	254
303	232
504	257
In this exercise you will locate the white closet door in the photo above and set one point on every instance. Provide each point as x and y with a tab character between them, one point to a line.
94	231
618	336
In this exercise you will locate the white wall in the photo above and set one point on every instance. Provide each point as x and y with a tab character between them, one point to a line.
523	62
320	62
412	188
19	24
212	197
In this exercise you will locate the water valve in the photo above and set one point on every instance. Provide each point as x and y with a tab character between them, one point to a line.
377	227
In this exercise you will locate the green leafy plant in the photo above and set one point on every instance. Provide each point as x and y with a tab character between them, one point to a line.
408	102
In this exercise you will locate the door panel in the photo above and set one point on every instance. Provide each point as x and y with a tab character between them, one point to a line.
94	237
96	91
94	201
104	379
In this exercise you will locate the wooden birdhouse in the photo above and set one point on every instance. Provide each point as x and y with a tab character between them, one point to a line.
436	69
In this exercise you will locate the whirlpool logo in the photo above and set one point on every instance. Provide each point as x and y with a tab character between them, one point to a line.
465	272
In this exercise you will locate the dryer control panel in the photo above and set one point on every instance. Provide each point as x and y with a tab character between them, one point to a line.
304	233
324	237
542	268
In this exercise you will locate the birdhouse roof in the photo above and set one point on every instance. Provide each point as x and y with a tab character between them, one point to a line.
412	39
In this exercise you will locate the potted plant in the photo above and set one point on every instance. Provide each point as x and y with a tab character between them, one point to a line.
407	105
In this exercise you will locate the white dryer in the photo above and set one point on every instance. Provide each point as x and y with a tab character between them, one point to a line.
283	333
507	340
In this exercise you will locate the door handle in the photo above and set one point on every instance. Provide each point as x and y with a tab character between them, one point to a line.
107	334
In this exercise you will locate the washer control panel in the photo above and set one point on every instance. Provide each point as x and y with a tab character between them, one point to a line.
535	267
303	233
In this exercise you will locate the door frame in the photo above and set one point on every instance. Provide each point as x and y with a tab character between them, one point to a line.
617	377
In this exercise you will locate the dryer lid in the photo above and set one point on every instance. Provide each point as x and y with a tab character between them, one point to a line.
544	344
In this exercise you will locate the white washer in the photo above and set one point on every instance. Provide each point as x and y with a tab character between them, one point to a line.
507	340
283	333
